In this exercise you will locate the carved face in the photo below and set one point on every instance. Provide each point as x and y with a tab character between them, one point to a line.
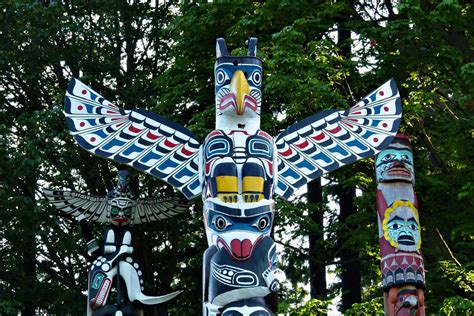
121	211
238	82
407	303
401	226
395	163
238	234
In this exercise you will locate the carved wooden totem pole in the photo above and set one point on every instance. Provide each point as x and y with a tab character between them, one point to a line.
119	210
238	168
399	230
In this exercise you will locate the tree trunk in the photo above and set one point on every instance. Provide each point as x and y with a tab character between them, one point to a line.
317	257
350	262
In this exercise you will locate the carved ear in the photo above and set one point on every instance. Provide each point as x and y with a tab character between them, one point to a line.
221	48
252	51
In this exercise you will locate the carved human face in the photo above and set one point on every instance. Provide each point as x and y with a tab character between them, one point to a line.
395	164
121	211
401	226
237	234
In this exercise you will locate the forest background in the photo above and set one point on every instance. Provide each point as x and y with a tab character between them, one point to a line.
160	56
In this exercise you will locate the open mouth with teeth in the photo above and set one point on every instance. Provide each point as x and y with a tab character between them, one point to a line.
406	240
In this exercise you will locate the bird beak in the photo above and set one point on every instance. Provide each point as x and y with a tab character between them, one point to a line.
240	87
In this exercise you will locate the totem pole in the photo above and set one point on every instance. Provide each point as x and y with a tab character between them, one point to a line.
399	230
119	210
237	169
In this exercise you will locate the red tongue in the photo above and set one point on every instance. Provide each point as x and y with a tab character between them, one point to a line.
241	249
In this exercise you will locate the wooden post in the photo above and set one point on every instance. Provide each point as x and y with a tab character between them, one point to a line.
403	276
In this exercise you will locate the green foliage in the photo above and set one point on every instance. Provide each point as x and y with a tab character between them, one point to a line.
373	307
160	57
457	306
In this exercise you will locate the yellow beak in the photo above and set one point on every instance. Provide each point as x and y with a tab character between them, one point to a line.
240	87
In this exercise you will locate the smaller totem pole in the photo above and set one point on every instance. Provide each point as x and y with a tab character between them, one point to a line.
120	210
399	230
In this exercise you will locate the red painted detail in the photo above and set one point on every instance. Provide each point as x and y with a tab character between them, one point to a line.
353	120
133	129
241	249
376	139
152	136
82	124
116	118
287	152
111	112
250	102
214	133
119	124
384	124
228	100
350	125
319	137
381	93
186	152
170	144
84	91
262	133
303	144
270	168
335	130
232	132
93	139
358	112
208	167
80	107
386	108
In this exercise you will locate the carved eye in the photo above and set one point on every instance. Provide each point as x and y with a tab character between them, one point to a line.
413	227
262	223
395	226
220	223
388	157
220	77
405	158
257	77
114	211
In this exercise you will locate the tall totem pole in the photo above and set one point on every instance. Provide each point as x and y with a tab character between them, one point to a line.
238	168
114	263
399	230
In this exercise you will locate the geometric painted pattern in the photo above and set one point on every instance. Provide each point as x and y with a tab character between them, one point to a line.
138	138
94	208
402	268
330	139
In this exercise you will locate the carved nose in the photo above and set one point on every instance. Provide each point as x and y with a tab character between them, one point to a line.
240	87
241	249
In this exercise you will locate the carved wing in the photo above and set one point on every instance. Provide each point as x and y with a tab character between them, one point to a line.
138	138
331	139
156	209
73	203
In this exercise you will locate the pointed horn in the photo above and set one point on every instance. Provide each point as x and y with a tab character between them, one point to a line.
221	48
252	51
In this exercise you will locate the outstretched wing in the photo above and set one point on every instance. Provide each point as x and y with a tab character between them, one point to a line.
138	138
157	209
73	203
331	139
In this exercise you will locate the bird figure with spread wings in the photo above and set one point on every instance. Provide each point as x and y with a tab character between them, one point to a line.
120	209
237	169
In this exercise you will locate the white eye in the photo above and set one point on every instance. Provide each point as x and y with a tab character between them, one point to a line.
405	158
220	223
388	157
220	77
262	223
257	77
